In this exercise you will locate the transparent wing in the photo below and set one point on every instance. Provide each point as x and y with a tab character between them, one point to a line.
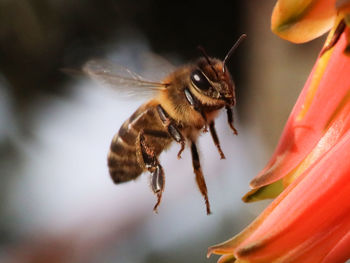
121	78
155	66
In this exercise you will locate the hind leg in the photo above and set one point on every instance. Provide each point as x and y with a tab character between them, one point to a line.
152	164
199	176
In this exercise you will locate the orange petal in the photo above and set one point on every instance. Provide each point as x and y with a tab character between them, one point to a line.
302	21
229	246
324	91
312	216
340	252
306	222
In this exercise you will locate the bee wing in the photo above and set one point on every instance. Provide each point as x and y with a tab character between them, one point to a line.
121	78
155	66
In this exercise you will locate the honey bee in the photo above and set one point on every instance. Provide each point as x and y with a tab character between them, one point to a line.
185	103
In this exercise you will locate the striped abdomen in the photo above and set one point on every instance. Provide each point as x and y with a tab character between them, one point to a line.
124	157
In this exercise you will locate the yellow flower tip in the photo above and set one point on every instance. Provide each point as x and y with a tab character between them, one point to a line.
208	253
217	249
302	21
211	250
250	196
265	192
249	249
227	259
225	248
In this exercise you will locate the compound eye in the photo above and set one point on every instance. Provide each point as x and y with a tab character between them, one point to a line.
199	80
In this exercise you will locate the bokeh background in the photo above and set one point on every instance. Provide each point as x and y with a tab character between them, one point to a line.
57	202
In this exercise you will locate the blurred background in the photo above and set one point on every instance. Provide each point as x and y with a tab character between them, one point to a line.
57	202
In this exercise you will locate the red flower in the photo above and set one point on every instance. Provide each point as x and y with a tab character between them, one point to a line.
309	221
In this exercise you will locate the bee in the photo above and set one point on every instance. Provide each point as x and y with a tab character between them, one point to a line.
184	104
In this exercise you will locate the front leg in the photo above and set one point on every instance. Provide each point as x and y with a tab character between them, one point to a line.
199	175
216	139
172	127
197	107
152	164
230	119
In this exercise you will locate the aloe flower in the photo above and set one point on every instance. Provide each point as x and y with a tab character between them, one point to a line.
309	172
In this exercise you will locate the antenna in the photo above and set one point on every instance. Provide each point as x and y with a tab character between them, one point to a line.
201	49
233	48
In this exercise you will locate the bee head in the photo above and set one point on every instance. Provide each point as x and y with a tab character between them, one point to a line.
211	78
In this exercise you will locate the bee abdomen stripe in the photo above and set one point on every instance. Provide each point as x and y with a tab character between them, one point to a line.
114	161
129	169
118	147
157	133
122	175
125	143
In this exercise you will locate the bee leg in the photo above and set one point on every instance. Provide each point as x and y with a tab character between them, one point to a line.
230	119
173	130
216	139
157	183
197	106
153	166
199	176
